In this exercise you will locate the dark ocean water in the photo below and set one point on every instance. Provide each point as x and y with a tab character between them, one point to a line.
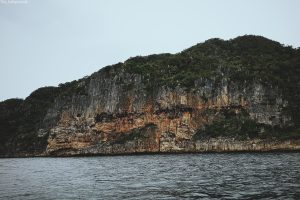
191	176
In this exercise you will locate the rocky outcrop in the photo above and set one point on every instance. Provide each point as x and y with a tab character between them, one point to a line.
121	111
113	119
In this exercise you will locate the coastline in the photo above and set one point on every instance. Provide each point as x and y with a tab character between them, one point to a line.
153	153
203	147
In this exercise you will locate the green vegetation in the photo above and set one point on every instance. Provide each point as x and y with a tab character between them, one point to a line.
228	128
20	119
77	87
243	58
138	133
242	127
230	124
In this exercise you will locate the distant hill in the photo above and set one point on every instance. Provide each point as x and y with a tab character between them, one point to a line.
237	95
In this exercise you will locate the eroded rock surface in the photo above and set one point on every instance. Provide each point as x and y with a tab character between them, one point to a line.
119	116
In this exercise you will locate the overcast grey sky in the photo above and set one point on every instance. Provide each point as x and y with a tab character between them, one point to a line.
44	43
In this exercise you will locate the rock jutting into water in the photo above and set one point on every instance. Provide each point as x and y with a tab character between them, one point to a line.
237	95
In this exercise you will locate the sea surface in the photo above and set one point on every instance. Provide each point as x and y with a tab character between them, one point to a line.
175	176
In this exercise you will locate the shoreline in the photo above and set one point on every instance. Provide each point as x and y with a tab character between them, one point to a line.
134	147
157	153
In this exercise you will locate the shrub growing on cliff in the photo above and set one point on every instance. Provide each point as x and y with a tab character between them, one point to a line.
139	133
244	58
230	124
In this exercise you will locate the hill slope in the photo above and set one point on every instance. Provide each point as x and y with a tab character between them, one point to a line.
235	95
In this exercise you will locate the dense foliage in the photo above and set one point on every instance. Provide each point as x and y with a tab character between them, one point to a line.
20	119
243	58
241	126
141	133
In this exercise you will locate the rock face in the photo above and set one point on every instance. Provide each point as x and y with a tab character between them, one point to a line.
121	109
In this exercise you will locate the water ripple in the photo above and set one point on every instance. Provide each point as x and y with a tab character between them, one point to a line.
190	176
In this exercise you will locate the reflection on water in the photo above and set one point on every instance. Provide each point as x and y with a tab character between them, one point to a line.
192	176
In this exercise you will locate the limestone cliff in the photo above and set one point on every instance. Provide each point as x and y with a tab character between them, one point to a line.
236	95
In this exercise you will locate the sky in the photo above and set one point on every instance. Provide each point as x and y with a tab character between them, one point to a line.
47	42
